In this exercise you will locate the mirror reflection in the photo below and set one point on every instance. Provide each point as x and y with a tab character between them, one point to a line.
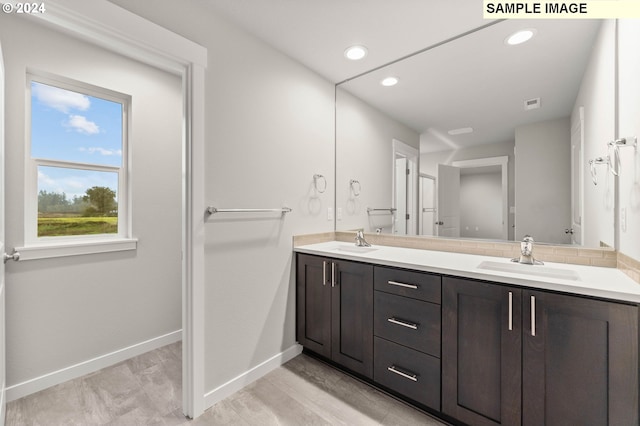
482	139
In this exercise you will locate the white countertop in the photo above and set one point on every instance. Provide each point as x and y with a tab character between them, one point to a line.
608	283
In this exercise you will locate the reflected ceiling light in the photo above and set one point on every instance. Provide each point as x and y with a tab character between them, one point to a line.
355	53
390	81
460	131
520	37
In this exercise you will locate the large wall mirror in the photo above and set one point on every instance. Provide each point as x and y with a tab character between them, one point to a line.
482	139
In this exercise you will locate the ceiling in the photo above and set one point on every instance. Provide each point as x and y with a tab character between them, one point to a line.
475	80
316	32
479	82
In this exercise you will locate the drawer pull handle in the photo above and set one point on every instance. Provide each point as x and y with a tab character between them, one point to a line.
394	369
410	325
413	286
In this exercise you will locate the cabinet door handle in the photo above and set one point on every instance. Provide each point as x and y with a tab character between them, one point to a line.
533	316
407	375
510	311
413	286
410	325
333	274
324	272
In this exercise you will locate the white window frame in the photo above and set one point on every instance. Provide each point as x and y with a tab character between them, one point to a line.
56	246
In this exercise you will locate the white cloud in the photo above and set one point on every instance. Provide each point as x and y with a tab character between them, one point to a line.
60	99
102	151
71	186
44	180
82	125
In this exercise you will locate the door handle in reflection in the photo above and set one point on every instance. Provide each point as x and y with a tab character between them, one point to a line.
13	256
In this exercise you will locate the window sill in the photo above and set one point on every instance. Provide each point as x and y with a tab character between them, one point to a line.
75	248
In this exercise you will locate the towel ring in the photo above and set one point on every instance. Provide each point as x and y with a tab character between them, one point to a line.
616	145
598	161
320	178
353	183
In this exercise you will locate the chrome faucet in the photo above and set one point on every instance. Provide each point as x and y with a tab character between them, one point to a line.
360	241
526	252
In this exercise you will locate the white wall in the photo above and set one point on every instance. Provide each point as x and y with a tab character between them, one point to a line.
270	129
65	311
543	181
481	205
629	125
364	152
597	96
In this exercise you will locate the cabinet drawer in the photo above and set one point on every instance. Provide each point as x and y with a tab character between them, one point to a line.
408	372
409	322
418	285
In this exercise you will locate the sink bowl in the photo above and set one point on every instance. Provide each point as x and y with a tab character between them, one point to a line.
355	249
534	270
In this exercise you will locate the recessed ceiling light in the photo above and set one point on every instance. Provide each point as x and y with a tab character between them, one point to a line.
390	81
461	131
355	53
520	37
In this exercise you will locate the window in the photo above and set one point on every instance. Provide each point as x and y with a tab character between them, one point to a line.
77	184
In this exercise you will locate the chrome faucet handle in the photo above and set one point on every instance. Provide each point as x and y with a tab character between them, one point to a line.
526	252
360	241
526	246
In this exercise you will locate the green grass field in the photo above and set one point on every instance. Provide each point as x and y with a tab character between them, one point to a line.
59	226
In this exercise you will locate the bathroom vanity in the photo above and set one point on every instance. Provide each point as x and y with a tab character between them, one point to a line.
475	339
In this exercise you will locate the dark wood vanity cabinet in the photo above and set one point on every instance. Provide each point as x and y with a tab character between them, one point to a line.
580	361
514	356
481	352
335	310
478	352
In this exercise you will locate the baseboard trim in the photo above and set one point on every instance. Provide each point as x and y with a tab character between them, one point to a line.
3	411
78	370
237	383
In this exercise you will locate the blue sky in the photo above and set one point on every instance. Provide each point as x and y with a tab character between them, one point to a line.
71	126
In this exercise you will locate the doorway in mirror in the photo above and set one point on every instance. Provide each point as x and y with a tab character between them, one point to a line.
405	188
427	188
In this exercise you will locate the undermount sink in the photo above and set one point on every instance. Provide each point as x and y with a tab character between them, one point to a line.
355	249
535	270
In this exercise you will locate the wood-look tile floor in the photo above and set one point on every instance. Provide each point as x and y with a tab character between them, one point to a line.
146	390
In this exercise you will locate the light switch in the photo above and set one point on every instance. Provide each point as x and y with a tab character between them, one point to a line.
623	219
339	213
329	213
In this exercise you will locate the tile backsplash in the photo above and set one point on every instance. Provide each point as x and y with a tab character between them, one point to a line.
604	256
629	266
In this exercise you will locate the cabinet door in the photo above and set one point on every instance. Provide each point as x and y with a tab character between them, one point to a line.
580	361
313	299
481	352
352	317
